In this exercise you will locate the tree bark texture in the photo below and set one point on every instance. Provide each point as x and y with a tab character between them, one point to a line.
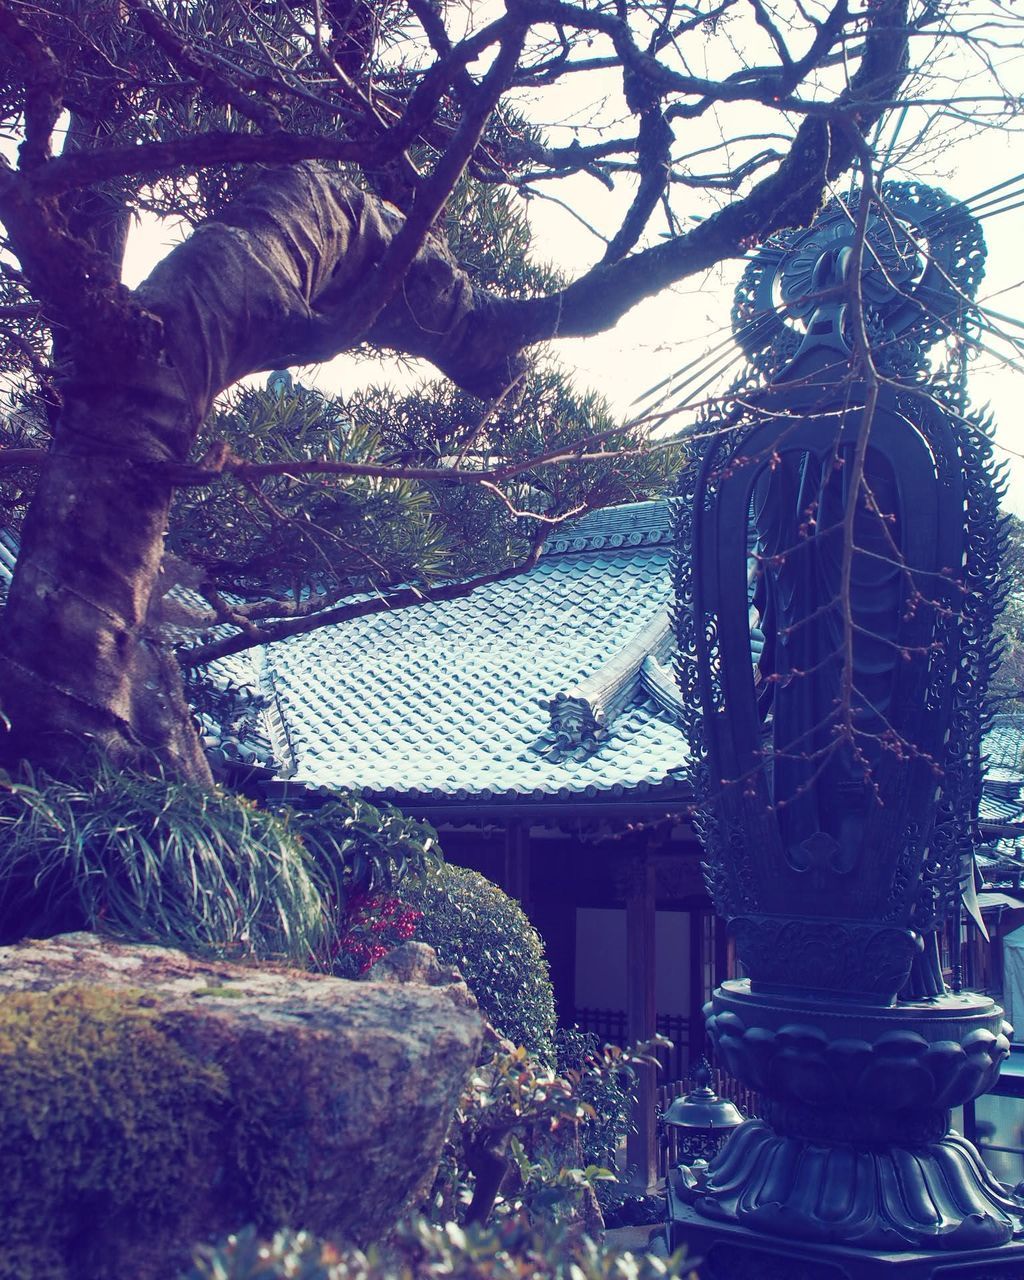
82	667
268	285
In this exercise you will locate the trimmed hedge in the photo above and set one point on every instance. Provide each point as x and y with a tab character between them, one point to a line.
473	924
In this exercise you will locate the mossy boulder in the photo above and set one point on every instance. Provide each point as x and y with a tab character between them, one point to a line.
152	1100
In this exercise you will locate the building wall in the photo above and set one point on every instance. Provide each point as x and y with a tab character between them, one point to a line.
600	979
574	887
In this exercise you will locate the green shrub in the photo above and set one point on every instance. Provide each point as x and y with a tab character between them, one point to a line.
603	1081
512	1148
506	1251
155	860
471	923
361	849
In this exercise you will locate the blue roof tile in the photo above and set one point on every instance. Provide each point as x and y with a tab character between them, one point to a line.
446	699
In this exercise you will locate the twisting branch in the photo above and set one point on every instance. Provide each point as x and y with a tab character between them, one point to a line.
390	602
865	360
654	161
44	86
210	149
824	146
246	94
430	199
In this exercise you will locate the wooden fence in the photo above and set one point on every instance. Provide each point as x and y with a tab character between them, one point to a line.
609	1025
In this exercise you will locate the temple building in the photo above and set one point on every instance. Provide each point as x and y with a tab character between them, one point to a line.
535	724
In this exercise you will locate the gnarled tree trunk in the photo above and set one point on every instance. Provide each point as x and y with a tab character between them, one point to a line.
274	282
82	665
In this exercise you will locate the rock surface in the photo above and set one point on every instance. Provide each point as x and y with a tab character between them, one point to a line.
415	962
152	1100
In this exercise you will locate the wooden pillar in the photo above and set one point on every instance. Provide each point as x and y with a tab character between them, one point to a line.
641	1018
516	876
553	915
697	993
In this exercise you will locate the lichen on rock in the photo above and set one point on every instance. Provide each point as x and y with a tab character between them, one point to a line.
90	1083
152	1100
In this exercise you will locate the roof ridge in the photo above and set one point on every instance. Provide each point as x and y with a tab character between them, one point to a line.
629	525
582	714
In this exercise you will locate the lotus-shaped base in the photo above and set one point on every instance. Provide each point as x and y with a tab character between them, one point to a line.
938	1195
854	1145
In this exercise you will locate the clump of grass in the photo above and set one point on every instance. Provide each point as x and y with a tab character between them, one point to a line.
152	859
157	861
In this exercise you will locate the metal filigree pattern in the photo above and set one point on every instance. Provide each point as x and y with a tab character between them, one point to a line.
838	577
925	591
968	657
926	255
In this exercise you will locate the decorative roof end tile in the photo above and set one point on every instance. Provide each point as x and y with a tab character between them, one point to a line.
581	715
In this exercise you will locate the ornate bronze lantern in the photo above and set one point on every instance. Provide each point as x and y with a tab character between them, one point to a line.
851	521
700	1121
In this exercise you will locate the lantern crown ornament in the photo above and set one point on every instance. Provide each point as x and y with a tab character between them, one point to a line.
702	1111
838	547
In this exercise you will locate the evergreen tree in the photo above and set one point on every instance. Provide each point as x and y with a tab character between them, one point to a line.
353	172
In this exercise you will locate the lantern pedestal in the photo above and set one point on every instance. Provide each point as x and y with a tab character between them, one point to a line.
728	1251
853	1156
854	1146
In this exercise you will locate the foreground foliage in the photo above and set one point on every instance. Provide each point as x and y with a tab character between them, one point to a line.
506	1251
603	1080
535	1144
512	1148
168	862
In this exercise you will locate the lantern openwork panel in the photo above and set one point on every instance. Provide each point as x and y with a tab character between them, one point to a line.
822	744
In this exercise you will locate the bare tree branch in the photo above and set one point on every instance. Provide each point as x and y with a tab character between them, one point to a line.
212	148
404	598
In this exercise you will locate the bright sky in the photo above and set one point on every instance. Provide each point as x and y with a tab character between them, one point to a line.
666	332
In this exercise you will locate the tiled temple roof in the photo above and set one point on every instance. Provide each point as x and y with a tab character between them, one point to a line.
556	684
531	688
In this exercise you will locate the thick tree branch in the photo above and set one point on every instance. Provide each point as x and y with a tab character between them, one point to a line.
654	158
44	85
22	458
788	197
302	247
430	199
404	598
213	148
